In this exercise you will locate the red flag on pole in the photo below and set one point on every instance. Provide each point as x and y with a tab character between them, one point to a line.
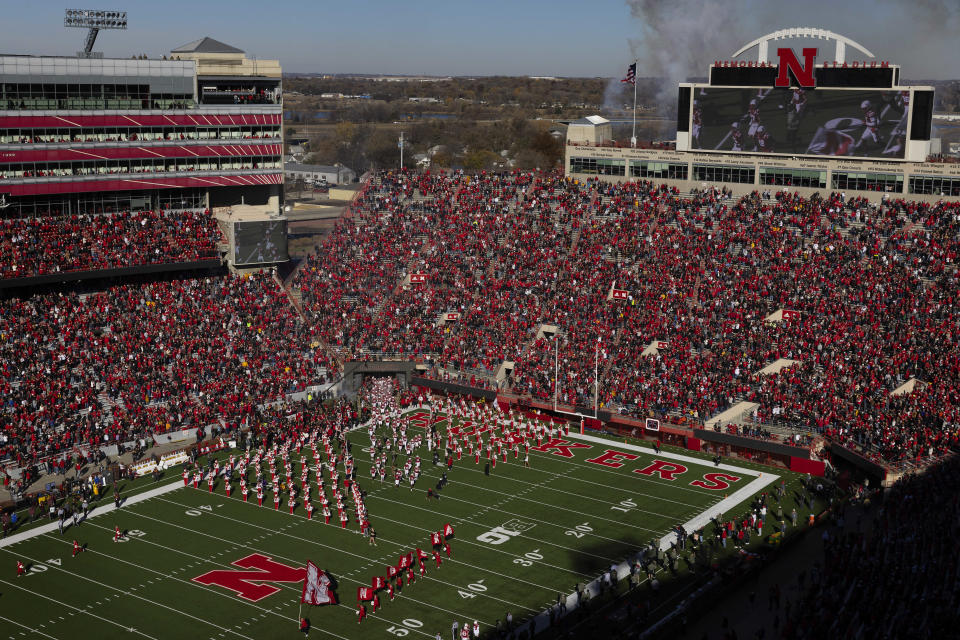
316	587
364	593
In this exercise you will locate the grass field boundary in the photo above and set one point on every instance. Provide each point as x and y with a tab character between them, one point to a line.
99	509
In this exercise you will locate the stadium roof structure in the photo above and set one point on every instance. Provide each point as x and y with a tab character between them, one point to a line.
206	45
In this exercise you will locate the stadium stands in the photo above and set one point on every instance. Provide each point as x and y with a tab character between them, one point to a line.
874	287
40	246
896	578
139	359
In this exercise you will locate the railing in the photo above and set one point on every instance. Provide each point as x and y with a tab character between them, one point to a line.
168	174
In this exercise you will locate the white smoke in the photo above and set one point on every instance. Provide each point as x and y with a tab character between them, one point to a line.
680	38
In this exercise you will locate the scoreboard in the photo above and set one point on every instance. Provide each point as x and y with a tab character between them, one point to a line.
259	241
865	123
839	115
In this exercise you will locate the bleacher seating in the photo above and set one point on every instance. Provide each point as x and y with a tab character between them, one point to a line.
139	359
873	285
68	244
875	288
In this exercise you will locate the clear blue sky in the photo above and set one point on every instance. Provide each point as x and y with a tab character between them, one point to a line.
493	37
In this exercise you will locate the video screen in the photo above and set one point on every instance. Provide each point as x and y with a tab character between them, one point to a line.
262	241
821	122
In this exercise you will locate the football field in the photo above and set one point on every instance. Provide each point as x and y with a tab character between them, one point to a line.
196	564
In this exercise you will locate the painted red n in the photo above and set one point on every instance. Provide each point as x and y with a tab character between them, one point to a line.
246	584
804	74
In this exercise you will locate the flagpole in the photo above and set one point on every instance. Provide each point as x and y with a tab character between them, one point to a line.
596	379
633	137
299	614
556	370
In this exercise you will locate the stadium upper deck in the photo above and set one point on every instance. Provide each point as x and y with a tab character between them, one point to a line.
811	126
81	135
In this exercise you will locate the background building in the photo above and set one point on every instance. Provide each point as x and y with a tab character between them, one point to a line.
87	135
318	173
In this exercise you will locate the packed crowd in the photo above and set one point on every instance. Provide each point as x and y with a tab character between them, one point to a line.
47	245
140	359
873	289
469	271
894	579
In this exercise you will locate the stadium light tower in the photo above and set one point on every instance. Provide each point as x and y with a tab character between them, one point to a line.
93	20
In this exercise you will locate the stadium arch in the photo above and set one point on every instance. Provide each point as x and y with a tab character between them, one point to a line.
763	43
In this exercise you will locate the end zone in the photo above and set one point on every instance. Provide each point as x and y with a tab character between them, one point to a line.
760	480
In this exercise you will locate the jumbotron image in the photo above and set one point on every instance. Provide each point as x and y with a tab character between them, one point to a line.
706	388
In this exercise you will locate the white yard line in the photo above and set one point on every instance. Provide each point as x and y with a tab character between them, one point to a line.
99	509
132	595
46	635
528	517
569	493
168	575
515	496
282	533
393	542
761	479
488	547
267	553
70	606
264	610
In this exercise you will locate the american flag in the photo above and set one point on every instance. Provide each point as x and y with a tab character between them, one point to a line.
631	74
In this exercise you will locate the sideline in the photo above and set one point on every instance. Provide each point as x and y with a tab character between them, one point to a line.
99	509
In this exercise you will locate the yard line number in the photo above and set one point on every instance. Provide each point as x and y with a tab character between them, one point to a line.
579	530
408	623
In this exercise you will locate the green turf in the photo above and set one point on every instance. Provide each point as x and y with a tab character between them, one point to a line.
145	584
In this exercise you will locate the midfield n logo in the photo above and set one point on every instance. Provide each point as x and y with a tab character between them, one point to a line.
246	584
804	74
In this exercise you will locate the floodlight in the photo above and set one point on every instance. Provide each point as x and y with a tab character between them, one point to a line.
93	20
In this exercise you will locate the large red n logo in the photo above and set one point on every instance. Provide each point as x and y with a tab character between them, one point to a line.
804	74
246	583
